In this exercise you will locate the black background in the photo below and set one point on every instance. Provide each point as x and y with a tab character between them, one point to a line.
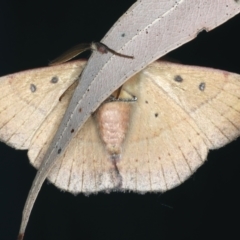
205	207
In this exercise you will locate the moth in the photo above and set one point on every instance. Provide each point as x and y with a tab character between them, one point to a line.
136	140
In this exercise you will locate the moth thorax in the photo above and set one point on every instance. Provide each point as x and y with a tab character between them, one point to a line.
113	121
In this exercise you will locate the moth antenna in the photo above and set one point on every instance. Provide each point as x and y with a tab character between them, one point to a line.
71	53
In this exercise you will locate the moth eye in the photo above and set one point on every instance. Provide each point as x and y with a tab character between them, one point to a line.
178	78
33	87
202	86
54	79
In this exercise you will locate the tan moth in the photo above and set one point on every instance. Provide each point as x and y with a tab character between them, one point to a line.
132	36
137	139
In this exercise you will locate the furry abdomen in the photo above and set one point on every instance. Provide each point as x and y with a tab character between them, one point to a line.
113	121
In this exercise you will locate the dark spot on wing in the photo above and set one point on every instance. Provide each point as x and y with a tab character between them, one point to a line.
54	79
33	88
202	86
146	102
178	78
156	114
59	151
80	110
123	35
72	131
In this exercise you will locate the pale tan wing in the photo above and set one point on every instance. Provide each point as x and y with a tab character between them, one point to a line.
149	161
84	166
211	97
181	113
28	97
165	143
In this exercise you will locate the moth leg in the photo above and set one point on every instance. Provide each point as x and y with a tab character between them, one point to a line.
121	95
